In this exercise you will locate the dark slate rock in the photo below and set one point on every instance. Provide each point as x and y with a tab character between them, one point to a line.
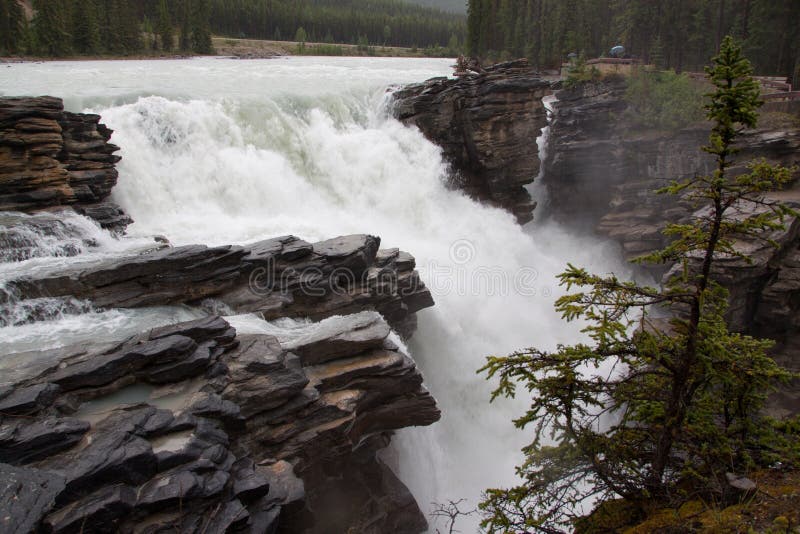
167	490
200	330
25	401
102	369
194	365
111	457
99	512
26	496
340	337
248	484
260	380
213	406
23	441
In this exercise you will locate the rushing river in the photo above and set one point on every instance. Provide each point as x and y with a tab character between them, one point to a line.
222	151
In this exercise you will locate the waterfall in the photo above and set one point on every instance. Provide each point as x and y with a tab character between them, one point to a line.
221	152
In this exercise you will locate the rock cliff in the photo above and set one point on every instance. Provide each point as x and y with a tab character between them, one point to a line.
50	157
195	426
601	173
487	125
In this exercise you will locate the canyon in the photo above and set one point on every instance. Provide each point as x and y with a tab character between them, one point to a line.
601	173
215	419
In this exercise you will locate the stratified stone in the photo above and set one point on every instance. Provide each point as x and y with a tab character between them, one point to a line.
101	511
487	125
23	441
50	157
26	496
340	336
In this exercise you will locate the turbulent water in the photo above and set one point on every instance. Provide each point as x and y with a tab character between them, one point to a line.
223	151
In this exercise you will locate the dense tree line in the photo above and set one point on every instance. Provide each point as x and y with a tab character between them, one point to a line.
379	22
679	34
120	27
114	27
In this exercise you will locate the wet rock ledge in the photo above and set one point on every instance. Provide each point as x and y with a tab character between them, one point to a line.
50	157
487	125
196	426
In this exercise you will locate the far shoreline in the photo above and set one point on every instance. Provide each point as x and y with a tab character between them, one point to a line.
248	49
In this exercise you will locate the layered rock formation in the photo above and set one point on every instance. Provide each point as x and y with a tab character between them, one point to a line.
217	419
487	125
50	157
193	427
602	169
280	277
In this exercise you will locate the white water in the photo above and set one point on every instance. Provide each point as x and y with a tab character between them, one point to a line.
222	151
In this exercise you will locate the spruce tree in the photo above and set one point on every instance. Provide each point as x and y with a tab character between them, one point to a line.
50	27
650	409
85	27
12	27
185	40
6	42
201	27
130	35
164	28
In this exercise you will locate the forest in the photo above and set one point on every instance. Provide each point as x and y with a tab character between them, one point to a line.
676	34
124	27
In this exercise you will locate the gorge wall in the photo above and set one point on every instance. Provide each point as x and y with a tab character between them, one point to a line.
487	124
196	426
601	173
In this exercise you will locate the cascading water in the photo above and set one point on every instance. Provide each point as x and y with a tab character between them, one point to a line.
220	151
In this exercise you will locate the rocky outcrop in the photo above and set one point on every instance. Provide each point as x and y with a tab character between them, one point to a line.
50	157
602	169
487	125
280	277
194	428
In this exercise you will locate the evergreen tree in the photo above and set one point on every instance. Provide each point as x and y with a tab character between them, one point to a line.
130	35
12	27
681	34
50	27
85	27
164	28
201	27
185	40
682	403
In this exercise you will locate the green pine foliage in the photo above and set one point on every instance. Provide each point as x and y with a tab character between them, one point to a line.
664	399
185	39
125	27
50	27
663	100
13	27
344	21
85	27
201	27
673	34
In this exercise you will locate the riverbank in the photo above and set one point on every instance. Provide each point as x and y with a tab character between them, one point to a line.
259	49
